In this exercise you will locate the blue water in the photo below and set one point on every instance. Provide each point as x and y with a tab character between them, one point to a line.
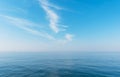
45	64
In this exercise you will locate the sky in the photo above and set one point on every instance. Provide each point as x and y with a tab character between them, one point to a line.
59	25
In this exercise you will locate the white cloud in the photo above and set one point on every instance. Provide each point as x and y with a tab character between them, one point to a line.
69	37
26	25
46	3
49	8
51	14
54	24
66	40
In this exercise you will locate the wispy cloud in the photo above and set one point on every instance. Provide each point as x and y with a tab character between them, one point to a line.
29	27
54	19
26	25
42	31
51	14
69	37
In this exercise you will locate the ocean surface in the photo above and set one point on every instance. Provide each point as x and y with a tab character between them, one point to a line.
46	64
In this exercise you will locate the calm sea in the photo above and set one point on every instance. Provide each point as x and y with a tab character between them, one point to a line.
46	64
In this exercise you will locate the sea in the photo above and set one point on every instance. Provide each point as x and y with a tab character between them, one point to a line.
60	64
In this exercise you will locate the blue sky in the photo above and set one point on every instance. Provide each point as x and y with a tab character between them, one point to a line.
59	25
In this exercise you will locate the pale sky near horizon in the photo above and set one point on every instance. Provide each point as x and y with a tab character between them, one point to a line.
59	25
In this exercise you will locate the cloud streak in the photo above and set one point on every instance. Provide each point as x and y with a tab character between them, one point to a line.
26	25
37	29
54	18
51	14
